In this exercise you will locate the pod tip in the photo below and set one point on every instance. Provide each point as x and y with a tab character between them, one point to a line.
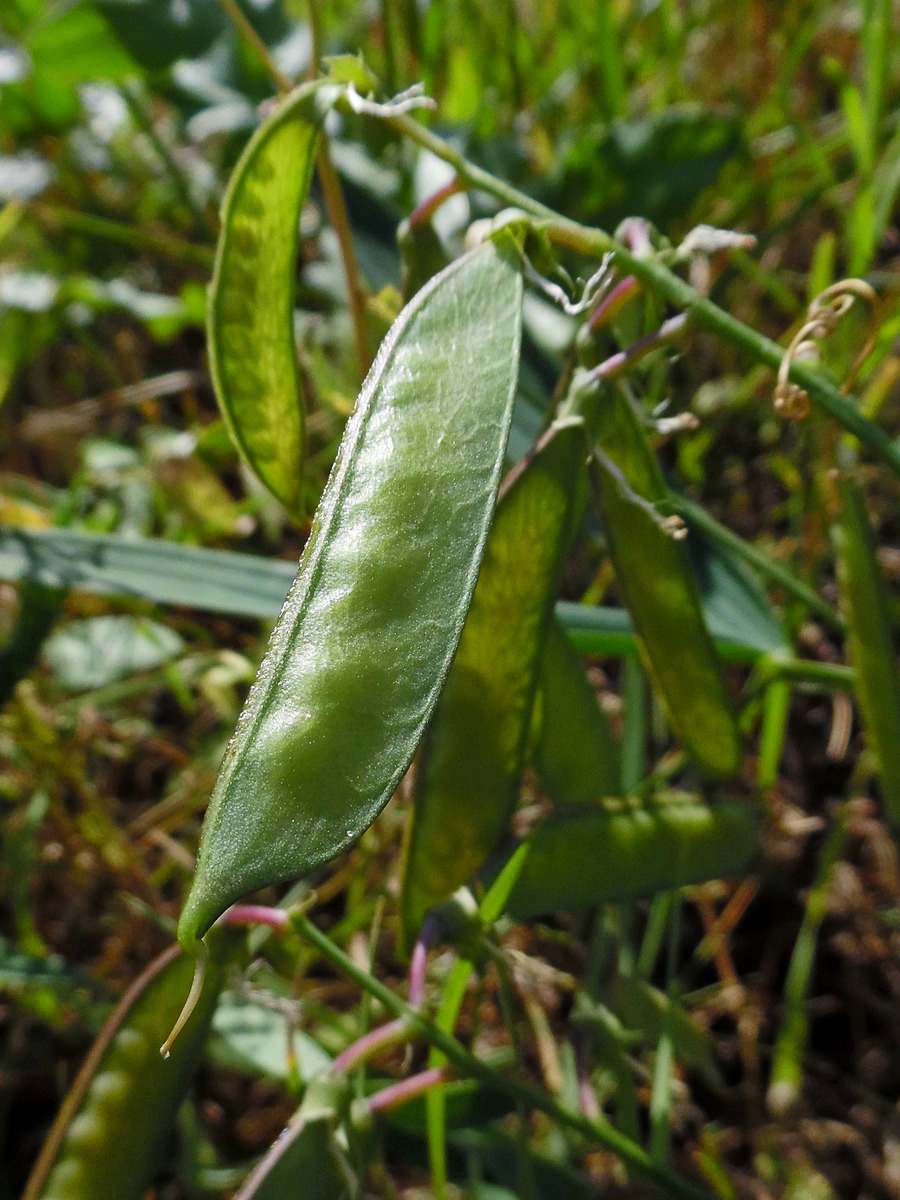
189	1005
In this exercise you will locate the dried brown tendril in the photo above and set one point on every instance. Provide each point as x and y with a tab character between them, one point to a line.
823	315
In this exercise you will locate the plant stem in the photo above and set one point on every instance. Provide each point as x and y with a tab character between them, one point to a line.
697	515
407	1089
594	243
787	1068
829	676
328	180
55	216
252	38
370	1043
520	1091
255	914
423	212
419	962
617	364
131	95
337	216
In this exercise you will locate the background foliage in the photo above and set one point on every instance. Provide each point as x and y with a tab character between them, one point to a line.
119	124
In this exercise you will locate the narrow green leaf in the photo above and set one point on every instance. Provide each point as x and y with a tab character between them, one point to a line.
575	754
618	850
246	585
166	572
468	774
251	300
108	1137
870	639
365	640
660	591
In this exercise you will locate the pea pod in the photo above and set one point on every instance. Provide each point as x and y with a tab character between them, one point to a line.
870	639
621	849
468	773
252	354
307	1159
107	1139
660	592
367	634
575	753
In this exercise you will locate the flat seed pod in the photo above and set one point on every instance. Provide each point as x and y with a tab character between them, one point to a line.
252	354
623	849
660	592
361	650
870	630
575	753
307	1159
468	774
107	1139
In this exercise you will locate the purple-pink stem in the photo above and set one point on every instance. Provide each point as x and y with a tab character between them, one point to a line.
370	1043
613	302
424	942
377	1039
425	211
587	1098
618	363
255	914
393	1031
399	1093
635	233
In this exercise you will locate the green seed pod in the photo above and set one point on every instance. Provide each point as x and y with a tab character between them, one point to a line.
252	354
367	634
660	592
575	753
308	1158
472	757
622	849
106	1141
870	639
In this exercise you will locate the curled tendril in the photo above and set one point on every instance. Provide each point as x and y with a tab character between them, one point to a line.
822	317
414	97
597	285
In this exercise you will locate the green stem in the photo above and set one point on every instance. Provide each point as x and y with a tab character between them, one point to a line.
787	1067
252	38
829	676
698	515
131	95
594	243
55	216
776	706
337	216
476	1068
